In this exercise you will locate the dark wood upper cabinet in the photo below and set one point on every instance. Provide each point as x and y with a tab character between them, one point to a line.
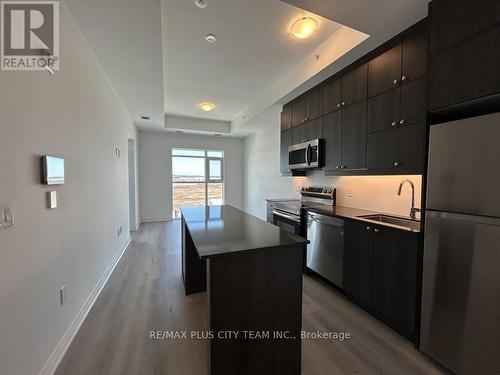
286	117
396	263
332	134
332	96
299	111
354	136
358	262
414	50
298	134
384	71
384	111
396	151
397	107
285	143
314	104
454	20
314	129
467	72
354	85
413	102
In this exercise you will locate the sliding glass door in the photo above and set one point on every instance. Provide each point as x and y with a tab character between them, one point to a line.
197	178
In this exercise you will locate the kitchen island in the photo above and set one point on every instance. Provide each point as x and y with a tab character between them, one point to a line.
252	271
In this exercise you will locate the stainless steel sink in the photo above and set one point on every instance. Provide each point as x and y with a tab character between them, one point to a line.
412	225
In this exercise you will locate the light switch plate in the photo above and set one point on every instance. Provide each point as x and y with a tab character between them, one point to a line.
52	199
6	216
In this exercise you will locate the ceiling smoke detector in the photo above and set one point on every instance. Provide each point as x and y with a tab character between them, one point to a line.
210	38
201	3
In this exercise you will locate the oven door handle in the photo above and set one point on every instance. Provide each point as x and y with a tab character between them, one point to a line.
307	154
285	216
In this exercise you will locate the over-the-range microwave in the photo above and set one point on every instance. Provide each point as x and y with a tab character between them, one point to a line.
306	155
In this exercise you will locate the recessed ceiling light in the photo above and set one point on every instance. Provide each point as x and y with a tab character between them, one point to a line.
210	38
207	107
304	27
145	117
201	3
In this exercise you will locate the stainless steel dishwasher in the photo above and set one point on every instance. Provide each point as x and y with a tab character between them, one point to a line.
325	252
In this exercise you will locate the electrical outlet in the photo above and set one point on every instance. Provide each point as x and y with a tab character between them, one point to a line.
62	295
350	192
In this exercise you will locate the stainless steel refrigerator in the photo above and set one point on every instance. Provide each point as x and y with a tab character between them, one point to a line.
460	325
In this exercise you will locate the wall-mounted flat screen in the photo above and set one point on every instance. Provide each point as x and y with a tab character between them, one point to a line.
52	170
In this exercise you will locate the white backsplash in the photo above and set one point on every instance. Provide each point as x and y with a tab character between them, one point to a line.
375	193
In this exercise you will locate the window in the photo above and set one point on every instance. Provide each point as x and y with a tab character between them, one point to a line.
197	178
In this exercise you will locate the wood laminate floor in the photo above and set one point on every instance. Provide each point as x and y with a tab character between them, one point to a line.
145	294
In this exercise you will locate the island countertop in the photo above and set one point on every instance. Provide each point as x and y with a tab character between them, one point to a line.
220	230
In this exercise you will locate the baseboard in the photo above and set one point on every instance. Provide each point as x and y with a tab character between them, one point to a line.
57	355
143	221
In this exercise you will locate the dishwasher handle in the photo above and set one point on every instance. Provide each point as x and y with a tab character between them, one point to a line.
323	219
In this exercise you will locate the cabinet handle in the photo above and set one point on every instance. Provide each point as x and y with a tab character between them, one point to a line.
343	104
377	230
397	163
402	122
338	167
395	82
403	78
369	229
394	123
338	105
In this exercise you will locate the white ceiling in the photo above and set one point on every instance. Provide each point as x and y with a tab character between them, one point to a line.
156	57
126	37
253	50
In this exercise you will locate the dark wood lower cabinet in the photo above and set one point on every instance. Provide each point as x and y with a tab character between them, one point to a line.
395	284
381	273
397	151
358	263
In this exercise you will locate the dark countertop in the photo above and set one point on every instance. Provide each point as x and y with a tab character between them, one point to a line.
353	214
220	230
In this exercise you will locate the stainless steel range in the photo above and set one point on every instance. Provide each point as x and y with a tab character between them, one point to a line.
325	251
287	213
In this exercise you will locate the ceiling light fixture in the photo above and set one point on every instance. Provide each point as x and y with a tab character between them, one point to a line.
201	3
304	27
207	107
210	38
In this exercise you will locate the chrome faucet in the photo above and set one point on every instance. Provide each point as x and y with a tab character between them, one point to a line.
413	210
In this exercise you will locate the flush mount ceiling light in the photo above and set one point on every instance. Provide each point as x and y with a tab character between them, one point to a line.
304	27
201	3
207	107
210	38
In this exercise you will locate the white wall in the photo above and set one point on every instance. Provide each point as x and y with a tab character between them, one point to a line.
77	115
155	166
263	179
